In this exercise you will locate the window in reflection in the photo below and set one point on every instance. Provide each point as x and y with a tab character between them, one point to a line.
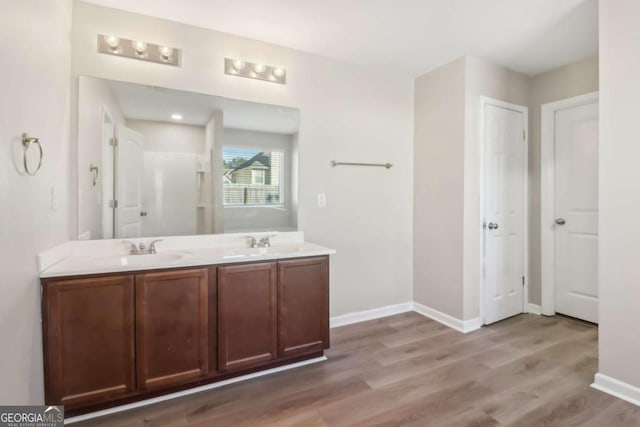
253	177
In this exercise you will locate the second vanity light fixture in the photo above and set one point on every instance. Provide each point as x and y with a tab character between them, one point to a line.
138	49
269	73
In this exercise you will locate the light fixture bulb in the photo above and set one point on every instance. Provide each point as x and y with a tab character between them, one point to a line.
139	46
259	68
176	116
112	41
278	72
165	52
239	65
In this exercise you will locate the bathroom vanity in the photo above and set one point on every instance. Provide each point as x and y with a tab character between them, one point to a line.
120	328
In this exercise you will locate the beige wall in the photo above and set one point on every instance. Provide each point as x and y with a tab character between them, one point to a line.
439	188
447	267
35	50
619	224
446	192
565	82
347	113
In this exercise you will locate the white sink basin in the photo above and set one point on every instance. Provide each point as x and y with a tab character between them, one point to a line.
257	252
137	260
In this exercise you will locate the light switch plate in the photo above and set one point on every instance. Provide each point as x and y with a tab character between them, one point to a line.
322	200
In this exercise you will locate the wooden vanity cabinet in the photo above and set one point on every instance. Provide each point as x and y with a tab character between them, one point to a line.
172	327
88	331
247	315
117	338
303	306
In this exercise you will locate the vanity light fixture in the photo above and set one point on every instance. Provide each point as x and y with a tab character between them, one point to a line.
238	65
138	49
113	42
269	73
176	116
165	53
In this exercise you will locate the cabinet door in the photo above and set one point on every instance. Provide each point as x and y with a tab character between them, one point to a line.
88	339
247	315
171	327
303	306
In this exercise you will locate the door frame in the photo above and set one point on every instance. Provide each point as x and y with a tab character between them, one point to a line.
548	195
108	149
484	101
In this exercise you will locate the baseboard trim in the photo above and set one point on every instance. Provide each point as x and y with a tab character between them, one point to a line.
535	309
464	326
617	388
194	390
376	313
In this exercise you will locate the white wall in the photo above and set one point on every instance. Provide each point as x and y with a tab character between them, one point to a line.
573	79
94	98
170	137
211	216
619	224
35	46
348	113
264	218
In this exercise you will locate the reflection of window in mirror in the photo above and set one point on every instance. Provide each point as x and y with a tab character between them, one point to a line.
253	177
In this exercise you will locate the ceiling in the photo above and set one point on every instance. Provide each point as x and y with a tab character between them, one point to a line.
409	36
139	102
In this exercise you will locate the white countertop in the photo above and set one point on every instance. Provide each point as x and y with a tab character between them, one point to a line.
111	256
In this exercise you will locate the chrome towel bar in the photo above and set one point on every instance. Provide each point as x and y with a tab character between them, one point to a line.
333	164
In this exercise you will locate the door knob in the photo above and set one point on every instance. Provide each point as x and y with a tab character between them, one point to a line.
143	213
493	226
561	221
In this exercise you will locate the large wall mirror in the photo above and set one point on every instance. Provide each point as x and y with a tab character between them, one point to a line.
160	162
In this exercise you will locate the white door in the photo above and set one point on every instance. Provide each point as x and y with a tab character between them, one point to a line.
129	171
576	211
504	166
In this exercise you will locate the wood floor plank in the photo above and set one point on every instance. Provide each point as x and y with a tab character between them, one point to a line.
407	370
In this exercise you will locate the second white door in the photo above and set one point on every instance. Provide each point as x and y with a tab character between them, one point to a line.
576	211
504	165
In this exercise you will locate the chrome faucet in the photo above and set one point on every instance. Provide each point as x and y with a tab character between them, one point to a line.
142	249
152	246
253	243
262	243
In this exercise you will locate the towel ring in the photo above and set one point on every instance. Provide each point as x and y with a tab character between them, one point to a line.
26	142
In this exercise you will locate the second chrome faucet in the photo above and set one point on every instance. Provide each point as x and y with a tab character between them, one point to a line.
142	249
264	241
